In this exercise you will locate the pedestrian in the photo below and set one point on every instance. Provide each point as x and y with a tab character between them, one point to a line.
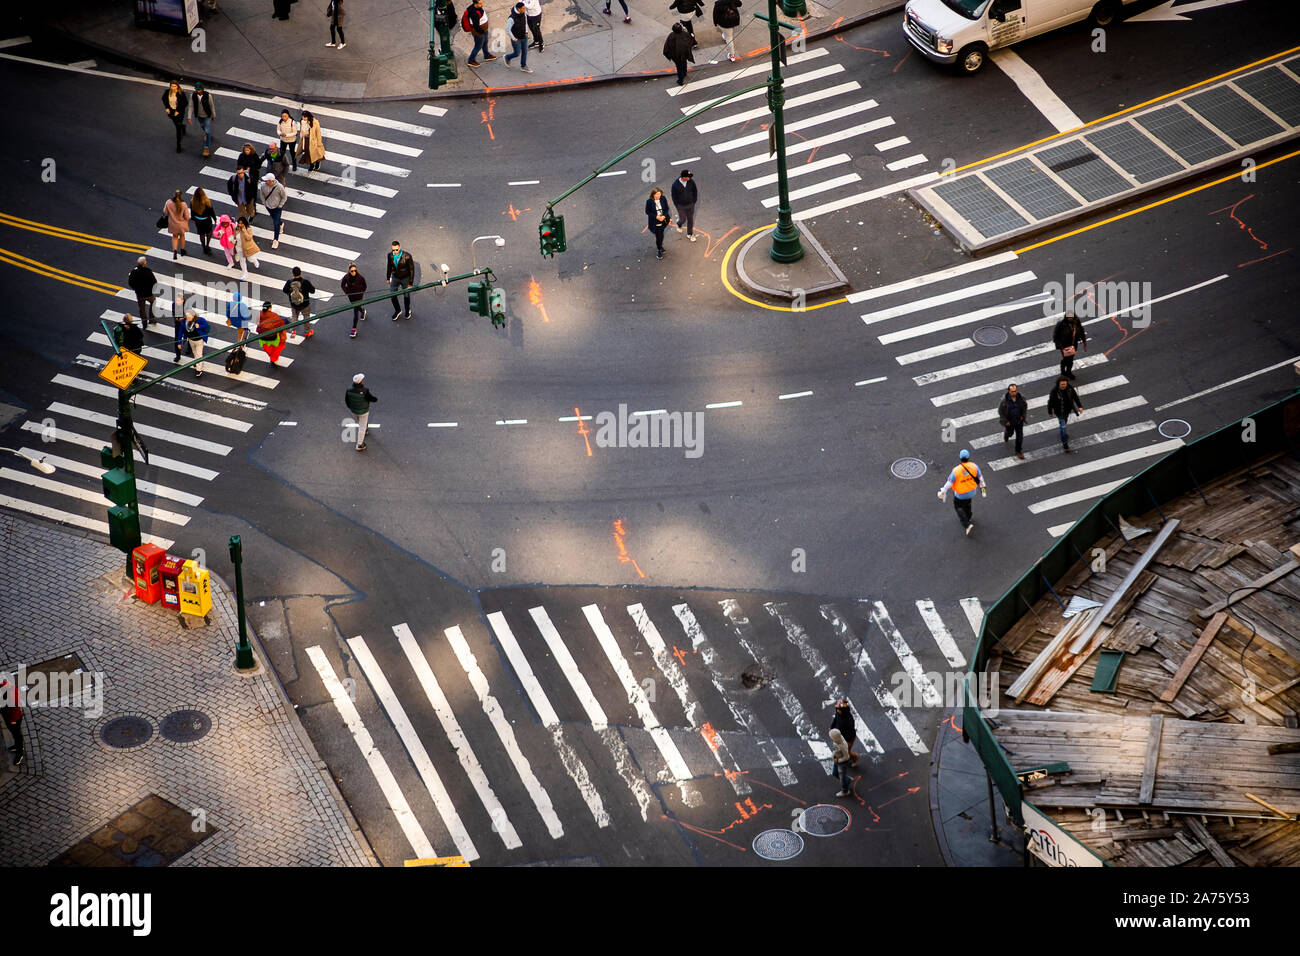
204	218
677	49
196	333
143	283
400	273
180	342
287	130
129	335
224	233
475	20
1013	412
726	17
249	160
238	315
177	212
688	8
627	17
11	715
1064	400
311	147
354	286
1069	337
280	9
335	13
656	210
204	110
359	399
533	10
685	196
276	162
274	196
517	27
176	106
842	756
271	334
843	722
246	247
964	480
299	290
242	188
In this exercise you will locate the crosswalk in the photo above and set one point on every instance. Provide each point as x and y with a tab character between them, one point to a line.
827	115
191	426
932	323
544	722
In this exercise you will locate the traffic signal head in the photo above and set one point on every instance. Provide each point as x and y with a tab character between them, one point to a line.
236	549
551	235
478	298
119	487
123	528
497	306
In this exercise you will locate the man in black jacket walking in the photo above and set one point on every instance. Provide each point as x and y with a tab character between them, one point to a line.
726	17
142	281
400	273
685	195
1069	337
359	399
1013	412
844	723
677	48
1064	400
300	290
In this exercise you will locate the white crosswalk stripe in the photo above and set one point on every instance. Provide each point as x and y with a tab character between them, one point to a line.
148	431
1101	464
997	387
803	169
1049	425
335	135
721	79
342	205
751	138
929	693
570	668
824	186
946	298
942	636
85	494
156	461
1077	444
736	119
1073	497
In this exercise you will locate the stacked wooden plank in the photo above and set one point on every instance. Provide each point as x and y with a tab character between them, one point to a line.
1230	690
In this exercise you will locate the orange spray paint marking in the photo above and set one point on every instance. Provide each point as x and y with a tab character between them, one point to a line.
710	246
896	68
706	833
875	817
1232	211
681	656
488	115
513	213
711	737
535	298
760	783
951	721
897	776
583	430
1251	262
623	556
864	49
899	797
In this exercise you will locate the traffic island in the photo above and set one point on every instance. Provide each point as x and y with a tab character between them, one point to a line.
812	275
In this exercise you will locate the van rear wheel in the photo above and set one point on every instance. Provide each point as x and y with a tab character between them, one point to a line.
971	58
1105	13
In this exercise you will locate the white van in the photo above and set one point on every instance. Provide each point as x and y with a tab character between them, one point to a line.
962	32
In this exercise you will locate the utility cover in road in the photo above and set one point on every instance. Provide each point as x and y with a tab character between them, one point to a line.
122	369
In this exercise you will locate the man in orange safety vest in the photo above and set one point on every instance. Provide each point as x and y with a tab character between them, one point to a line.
964	480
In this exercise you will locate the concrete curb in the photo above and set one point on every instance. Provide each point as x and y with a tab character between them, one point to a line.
218	83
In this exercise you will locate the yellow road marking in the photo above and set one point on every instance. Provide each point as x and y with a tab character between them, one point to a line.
1153	205
51	272
60	233
763	305
1164	96
437	861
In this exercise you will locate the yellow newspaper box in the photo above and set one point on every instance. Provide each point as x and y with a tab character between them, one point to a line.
195	590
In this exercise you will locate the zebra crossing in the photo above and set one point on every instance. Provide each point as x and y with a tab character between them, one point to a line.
827	114
1115	437
541	723
190	426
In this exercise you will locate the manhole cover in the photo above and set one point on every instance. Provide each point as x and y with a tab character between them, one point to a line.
123	733
1175	428
778	844
866	162
824	819
184	726
990	335
756	675
908	468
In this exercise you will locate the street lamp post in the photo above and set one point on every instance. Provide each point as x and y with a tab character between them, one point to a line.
244	650
40	464
786	246
498	241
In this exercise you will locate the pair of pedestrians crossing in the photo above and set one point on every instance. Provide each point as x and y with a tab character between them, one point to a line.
1013	412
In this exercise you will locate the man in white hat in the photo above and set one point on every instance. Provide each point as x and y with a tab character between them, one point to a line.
273	196
359	399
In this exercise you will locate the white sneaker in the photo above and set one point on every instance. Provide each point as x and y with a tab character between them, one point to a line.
843	793
681	229
342	45
693	237
969	528
526	69
331	44
275	243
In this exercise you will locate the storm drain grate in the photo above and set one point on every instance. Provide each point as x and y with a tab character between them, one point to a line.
778	844
824	820
990	335
125	733
185	726
908	468
1175	428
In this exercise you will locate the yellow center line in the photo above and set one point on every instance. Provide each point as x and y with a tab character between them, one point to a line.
1152	205
763	305
62	275
59	232
1163	96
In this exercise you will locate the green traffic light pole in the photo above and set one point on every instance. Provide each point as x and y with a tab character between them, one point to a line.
442	67
244	650
125	437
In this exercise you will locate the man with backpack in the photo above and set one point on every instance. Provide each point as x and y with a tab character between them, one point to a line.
964	480
726	17
474	21
359	399
300	290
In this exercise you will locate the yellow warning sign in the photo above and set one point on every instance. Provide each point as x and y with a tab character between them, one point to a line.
122	369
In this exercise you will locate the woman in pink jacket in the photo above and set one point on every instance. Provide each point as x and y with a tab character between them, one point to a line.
224	233
177	212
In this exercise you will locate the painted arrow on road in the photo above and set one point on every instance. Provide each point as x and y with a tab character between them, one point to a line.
1167	11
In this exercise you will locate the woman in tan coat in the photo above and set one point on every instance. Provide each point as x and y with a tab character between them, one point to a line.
178	220
245	248
311	148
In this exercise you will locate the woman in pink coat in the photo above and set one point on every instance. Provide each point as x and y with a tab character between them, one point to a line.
224	233
177	212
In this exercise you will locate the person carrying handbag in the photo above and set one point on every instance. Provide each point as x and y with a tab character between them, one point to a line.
1069	336
335	13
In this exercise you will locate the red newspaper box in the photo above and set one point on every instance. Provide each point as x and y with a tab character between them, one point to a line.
145	561
171	570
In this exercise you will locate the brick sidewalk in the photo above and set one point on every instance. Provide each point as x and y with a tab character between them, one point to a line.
266	797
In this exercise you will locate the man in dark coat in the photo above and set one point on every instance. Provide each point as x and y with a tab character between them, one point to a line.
688	8
400	273
142	281
844	723
685	196
726	17
1013	412
280	9
1069	337
242	188
359	399
1064	400
677	48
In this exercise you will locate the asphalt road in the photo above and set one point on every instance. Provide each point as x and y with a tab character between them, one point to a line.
790	506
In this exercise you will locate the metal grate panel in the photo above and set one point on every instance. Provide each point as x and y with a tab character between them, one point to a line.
1275	90
1227	110
1079	166
1128	149
1031	188
980	206
1184	134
